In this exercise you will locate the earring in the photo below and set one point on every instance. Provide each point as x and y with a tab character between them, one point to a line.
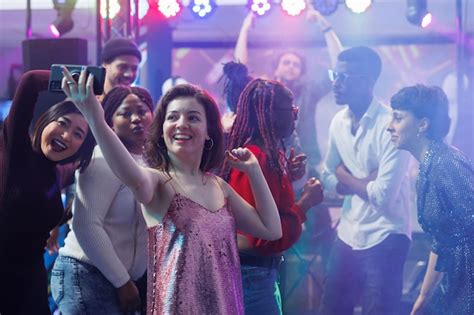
208	148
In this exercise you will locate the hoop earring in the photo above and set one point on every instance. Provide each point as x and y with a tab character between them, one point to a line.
208	148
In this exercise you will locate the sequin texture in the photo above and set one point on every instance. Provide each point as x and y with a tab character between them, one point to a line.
193	265
445	192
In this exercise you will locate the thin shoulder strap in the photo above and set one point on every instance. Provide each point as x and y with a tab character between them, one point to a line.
219	184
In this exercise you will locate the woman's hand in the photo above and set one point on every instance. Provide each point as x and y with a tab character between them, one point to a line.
312	194
52	245
242	159
296	165
129	297
81	93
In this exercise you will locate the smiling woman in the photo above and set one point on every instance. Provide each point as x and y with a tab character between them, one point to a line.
30	196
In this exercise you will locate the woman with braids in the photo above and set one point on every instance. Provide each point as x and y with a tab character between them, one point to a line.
191	215
265	116
105	251
30	195
445	199
236	78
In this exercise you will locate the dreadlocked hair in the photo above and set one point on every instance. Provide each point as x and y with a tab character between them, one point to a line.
235	77
255	120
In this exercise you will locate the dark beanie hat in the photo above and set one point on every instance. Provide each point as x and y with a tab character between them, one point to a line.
119	47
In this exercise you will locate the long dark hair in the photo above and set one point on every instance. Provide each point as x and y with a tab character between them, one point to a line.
84	154
236	77
156	153
255	120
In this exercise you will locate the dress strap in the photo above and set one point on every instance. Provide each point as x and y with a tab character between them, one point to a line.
219	184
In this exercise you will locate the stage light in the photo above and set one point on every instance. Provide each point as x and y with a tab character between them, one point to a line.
202	8
293	7
260	7
417	13
326	7
169	8
63	22
143	7
358	6
114	9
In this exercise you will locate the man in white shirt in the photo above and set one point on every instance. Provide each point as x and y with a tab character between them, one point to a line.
367	258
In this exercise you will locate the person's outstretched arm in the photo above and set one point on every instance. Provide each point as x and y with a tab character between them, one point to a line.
241	47
137	178
333	42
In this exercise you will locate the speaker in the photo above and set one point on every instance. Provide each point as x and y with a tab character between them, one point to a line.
42	53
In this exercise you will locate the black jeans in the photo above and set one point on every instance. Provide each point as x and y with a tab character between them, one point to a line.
374	276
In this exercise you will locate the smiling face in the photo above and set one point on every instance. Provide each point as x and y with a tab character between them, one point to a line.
62	138
131	121
405	129
185	127
120	71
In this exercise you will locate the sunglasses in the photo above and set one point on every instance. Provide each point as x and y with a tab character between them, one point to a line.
341	76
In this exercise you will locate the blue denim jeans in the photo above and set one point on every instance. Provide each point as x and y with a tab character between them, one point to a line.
80	288
373	276
261	291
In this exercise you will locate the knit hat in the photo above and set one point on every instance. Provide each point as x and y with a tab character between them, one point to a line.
119	47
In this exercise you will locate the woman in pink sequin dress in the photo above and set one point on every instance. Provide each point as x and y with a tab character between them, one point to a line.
191	214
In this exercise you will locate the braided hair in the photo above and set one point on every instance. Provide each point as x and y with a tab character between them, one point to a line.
236	77
255	120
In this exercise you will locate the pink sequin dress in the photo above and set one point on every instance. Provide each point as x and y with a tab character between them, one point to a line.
193	265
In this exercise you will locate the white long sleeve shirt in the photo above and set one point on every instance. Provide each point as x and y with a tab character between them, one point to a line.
108	230
364	224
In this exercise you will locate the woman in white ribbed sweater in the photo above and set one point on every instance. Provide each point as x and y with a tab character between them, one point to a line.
105	252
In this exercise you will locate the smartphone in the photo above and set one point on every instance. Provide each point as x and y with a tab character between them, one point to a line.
75	70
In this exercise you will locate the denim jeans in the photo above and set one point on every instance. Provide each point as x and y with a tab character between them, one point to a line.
261	291
373	275
80	288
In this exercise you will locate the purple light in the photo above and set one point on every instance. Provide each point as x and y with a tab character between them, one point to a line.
426	20
54	30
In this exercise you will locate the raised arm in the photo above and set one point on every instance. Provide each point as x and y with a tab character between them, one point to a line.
263	221
241	47
333	42
137	178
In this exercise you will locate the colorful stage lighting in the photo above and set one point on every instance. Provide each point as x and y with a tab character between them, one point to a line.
202	8
358	6
417	13
114	9
143	7
293	7
260	7
169	8
63	22
326	7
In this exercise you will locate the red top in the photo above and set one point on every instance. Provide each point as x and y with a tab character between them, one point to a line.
290	214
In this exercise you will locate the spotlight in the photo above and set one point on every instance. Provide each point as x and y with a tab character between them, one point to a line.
358	6
260	7
202	8
63	22
326	7
143	7
417	13
293	7
169	8
114	9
